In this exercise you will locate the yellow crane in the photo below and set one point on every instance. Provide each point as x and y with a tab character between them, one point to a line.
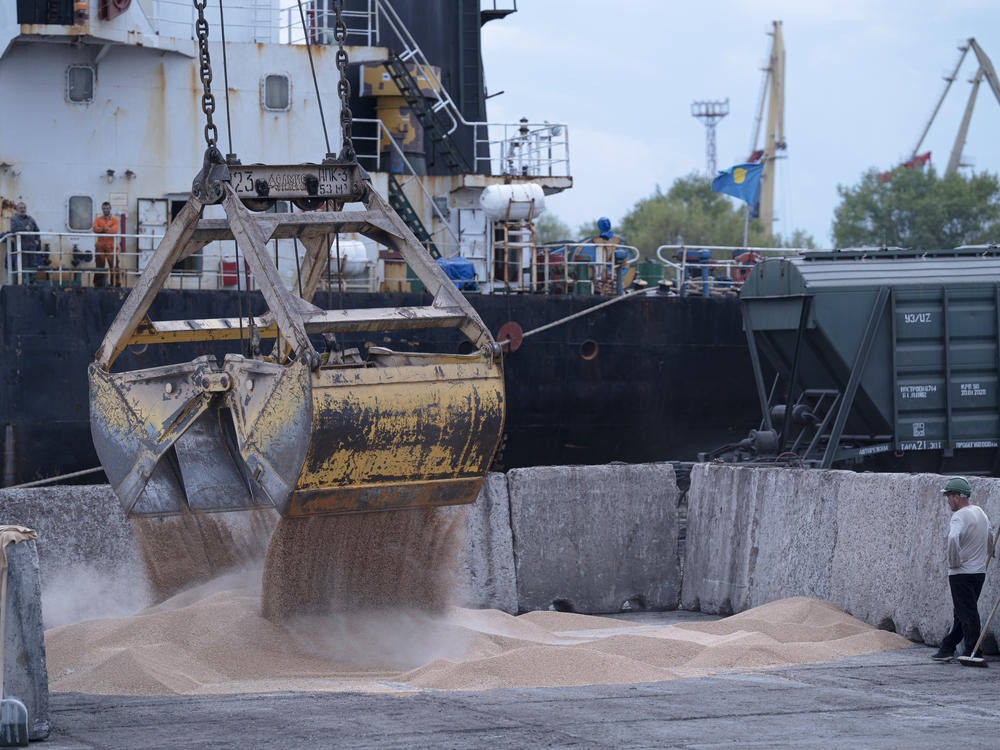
773	96
984	71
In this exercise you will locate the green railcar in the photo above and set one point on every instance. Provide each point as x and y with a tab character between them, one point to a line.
887	357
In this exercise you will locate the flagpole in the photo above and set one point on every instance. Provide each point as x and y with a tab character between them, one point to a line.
746	225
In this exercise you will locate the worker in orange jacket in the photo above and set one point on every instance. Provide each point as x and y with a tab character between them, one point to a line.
104	249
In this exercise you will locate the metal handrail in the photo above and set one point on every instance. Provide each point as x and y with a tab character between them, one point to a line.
728	280
16	272
603	270
413	51
634	253
320	21
730	248
381	128
531	138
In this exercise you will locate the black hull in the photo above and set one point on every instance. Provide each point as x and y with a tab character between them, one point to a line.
671	376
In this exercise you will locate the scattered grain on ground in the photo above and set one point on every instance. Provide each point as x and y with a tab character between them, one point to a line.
214	640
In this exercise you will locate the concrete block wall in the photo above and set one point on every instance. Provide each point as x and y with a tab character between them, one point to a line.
486	573
595	538
600	538
874	544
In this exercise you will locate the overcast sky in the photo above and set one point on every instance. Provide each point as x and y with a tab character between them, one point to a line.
862	78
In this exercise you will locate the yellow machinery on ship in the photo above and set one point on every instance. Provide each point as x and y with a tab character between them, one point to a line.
305	432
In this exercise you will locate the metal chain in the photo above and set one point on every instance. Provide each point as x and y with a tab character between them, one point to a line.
205	70
343	85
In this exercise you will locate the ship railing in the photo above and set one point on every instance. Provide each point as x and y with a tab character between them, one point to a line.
520	149
246	20
563	268
374	160
706	270
362	24
78	267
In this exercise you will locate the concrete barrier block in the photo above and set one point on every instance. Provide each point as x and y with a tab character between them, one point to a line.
793	534
25	675
486	575
721	515
889	566
90	564
595	538
872	543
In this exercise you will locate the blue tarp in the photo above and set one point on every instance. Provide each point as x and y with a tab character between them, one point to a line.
461	271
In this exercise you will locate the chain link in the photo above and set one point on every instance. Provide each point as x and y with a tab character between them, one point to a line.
205	71
343	85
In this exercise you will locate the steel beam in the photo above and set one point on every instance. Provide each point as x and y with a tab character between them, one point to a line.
860	362
321	321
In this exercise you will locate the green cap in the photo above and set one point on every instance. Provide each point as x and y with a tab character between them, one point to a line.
958	485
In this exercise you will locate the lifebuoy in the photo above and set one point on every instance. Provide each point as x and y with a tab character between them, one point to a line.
744	263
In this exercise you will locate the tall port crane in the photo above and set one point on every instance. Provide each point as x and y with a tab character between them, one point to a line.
986	71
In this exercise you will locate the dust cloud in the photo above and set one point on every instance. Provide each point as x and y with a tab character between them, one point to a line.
86	592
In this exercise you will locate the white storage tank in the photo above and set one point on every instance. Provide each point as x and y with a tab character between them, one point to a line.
517	201
354	258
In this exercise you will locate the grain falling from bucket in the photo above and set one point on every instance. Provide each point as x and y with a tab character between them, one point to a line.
183	550
402	559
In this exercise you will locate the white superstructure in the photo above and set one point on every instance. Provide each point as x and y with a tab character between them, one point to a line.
110	110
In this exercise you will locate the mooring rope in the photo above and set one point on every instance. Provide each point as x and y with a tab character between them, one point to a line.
582	313
50	480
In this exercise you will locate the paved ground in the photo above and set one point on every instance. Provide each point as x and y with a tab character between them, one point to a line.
897	699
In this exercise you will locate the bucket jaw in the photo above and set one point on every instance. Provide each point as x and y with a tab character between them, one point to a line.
303	433
272	414
198	437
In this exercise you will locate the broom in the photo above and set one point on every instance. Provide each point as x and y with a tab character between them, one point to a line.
978	661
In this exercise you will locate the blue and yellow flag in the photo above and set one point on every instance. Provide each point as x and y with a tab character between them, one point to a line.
741	181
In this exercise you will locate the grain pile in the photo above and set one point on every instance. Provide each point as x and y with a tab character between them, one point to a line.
213	640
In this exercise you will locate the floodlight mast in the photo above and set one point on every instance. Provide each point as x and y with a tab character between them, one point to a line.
710	112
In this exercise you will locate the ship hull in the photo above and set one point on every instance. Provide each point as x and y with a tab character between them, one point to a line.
647	379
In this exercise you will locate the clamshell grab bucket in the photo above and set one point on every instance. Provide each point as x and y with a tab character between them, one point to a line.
305	433
334	440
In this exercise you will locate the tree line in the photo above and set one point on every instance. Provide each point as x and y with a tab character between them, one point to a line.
907	207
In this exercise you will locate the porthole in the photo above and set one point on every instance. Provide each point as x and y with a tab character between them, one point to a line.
80	84
80	216
276	92
588	349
